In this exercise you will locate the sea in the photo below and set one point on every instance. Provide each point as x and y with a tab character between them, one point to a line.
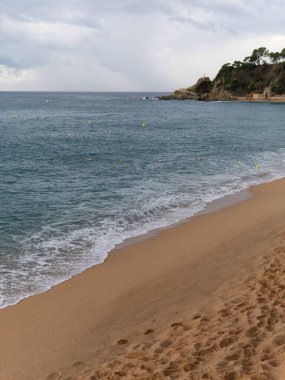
82	172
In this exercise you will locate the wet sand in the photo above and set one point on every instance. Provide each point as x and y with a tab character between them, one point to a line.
201	300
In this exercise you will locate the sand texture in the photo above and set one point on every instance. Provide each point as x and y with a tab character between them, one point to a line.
201	300
242	337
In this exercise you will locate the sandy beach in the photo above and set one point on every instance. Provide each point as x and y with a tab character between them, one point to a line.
200	300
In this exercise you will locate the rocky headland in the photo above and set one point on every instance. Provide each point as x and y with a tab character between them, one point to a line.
259	77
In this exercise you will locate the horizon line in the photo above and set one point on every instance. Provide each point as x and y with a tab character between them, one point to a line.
89	91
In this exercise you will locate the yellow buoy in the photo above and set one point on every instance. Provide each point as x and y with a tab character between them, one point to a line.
257	166
143	124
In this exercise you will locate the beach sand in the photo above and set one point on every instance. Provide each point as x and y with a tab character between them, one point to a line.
201	300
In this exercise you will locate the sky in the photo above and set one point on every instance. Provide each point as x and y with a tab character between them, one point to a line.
129	45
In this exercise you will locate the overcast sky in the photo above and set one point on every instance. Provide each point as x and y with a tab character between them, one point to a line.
129	45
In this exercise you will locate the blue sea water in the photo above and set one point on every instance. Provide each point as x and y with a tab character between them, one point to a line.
79	173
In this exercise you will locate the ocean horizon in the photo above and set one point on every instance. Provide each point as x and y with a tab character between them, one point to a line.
81	172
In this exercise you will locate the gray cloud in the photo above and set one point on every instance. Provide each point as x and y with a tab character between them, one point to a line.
129	44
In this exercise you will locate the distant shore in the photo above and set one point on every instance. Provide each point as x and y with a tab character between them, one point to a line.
258	99
204	299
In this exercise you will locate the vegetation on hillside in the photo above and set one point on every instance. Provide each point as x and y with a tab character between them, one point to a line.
256	73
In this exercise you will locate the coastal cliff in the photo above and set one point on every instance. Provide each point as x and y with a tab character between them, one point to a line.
259	77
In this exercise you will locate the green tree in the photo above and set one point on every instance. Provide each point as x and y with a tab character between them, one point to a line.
275	57
237	64
258	56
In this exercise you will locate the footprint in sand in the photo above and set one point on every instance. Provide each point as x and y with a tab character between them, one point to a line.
279	340
77	364
225	312
231	376
274	363
53	376
171	370
226	342
252	332
165	343
233	357
148	331
120	373
122	342
158	350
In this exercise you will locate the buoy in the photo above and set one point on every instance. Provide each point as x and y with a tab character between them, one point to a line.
199	158
14	117
239	162
143	124
257	166
90	122
120	161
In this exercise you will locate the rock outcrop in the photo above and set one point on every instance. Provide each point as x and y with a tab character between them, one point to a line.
200	91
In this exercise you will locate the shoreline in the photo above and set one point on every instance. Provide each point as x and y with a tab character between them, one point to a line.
211	206
242	100
151	282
